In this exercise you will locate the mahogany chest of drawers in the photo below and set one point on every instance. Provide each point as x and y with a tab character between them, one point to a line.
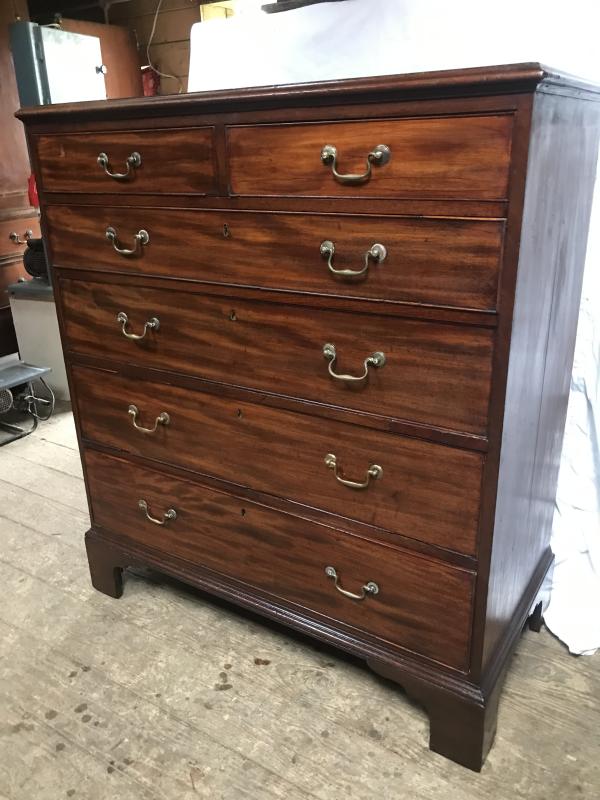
319	342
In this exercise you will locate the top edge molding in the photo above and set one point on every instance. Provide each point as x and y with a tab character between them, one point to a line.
496	80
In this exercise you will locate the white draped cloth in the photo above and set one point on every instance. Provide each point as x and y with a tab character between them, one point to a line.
359	38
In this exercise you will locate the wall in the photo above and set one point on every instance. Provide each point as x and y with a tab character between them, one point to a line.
15	213
14	161
170	50
219	10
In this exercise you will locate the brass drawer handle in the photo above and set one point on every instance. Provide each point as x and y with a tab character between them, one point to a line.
133	161
162	419
140	239
379	156
374	472
168	516
369	588
377	253
152	324
16	239
376	360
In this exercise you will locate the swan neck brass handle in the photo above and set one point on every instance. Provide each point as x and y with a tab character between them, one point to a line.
152	324
379	156
162	419
375	472
133	161
376	252
376	360
168	516
16	239
370	588
141	238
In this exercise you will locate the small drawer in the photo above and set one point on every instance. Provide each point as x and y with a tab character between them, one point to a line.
408	601
433	157
14	234
433	373
445	262
422	490
178	161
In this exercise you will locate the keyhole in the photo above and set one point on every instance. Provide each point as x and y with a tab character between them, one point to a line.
239	413
243	512
226	231
232	315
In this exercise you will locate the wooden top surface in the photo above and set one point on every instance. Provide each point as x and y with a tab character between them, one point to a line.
506	79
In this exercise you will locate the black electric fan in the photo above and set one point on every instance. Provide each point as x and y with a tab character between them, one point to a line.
34	260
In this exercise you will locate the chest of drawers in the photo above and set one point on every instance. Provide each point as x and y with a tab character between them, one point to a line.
319	342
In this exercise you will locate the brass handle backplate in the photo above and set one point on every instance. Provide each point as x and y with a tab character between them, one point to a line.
370	588
376	252
133	161
141	238
379	156
162	419
376	360
152	324
16	239
373	473
168	516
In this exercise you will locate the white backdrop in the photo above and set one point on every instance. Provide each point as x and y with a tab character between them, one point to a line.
358	38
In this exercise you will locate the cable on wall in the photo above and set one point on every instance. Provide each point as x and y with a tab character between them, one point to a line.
150	64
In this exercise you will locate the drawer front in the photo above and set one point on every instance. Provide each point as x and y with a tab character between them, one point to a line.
425	491
437	374
438	262
179	161
14	233
9	273
422	604
444	157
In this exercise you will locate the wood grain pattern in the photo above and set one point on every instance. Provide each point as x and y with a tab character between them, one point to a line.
562	163
422	605
435	374
462	145
427	491
483	87
173	161
453	262
304	691
375	206
465	157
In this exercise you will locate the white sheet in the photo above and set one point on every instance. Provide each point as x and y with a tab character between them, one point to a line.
358	38
574	610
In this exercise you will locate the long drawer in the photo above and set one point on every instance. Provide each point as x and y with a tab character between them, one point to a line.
177	161
429	157
428	372
446	262
420	604
424	491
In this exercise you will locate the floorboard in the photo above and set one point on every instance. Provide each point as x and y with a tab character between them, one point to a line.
168	693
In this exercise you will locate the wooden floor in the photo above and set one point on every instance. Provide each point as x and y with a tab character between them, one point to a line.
168	694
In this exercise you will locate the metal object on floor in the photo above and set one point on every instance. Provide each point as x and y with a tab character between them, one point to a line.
21	405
